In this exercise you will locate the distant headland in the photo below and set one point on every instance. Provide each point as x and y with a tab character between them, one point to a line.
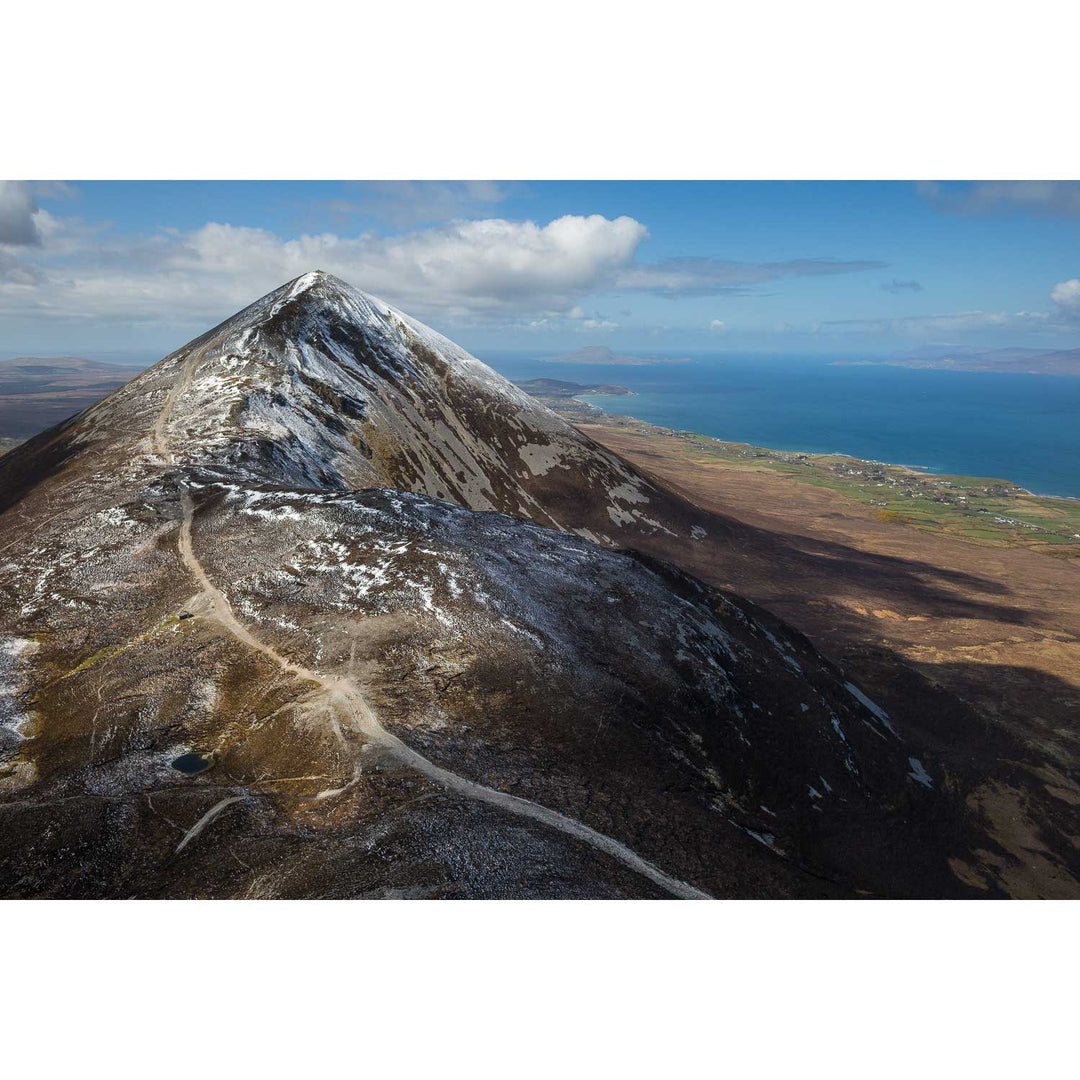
562	388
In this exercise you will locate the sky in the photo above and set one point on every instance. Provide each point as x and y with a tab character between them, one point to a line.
132	270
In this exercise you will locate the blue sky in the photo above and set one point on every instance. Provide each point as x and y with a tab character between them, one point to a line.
131	270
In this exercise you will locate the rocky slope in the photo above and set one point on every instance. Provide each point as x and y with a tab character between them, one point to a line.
301	611
324	386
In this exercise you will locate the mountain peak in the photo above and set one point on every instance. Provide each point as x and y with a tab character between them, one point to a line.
318	385
312	278
319	285
308	281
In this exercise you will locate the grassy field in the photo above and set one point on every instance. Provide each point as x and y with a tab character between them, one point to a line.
981	510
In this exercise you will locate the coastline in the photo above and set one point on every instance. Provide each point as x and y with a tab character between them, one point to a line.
924	470
982	510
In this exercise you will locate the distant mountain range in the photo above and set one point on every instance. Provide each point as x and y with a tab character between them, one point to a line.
1020	361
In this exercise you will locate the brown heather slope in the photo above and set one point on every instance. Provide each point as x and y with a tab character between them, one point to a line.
977	647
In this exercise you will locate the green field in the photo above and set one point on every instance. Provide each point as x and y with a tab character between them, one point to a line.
982	510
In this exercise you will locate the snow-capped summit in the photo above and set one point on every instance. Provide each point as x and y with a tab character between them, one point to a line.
320	384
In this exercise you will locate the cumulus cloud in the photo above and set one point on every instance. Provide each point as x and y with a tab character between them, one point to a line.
1065	296
896	286
703	276
717	326
512	273
472	266
15	274
590	324
463	270
17	211
1050	198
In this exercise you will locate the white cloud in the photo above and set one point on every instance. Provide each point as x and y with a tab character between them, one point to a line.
585	323
717	326
575	320
463	270
703	277
510	273
1066	298
17	212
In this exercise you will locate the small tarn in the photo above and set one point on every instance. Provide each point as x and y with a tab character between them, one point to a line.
191	763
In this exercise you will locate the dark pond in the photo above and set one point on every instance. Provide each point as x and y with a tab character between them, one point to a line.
191	763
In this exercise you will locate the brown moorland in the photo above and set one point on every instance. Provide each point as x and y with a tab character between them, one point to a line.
988	637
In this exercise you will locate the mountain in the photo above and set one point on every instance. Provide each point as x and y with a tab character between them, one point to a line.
332	388
38	391
320	605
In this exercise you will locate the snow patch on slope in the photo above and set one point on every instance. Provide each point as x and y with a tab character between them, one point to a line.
875	709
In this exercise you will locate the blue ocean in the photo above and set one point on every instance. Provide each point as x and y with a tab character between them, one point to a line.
1023	428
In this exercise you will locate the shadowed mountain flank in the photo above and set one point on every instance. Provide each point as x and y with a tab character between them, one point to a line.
975	650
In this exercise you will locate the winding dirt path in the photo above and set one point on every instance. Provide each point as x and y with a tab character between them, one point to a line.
160	440
344	694
213	812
